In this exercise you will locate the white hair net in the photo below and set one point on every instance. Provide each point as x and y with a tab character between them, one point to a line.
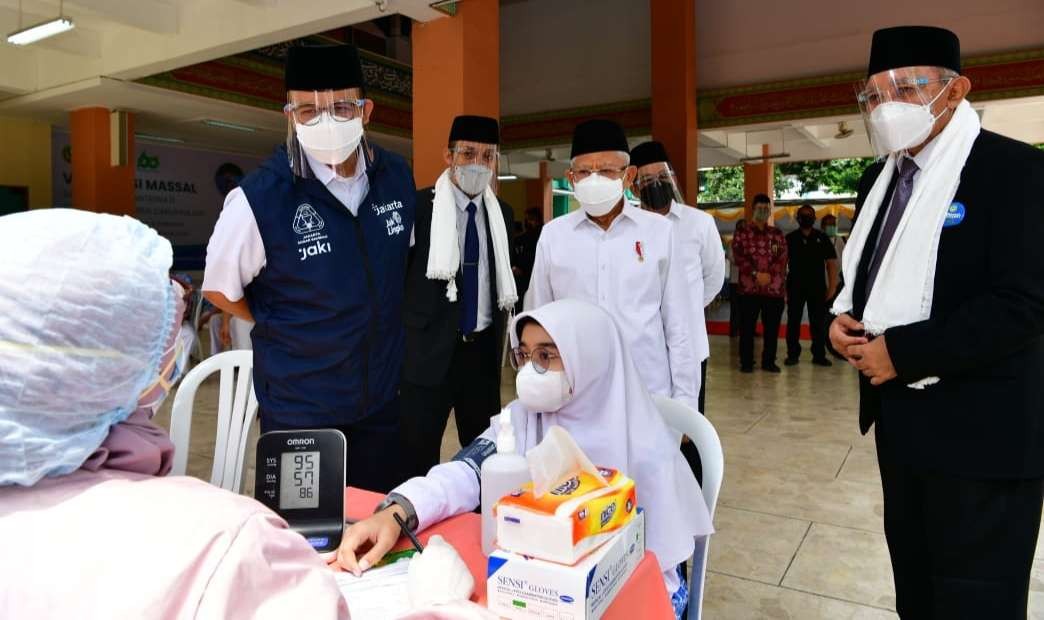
86	307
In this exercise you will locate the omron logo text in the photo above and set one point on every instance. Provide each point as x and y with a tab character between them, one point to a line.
300	442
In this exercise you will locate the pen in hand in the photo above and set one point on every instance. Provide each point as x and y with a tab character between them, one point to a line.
409	534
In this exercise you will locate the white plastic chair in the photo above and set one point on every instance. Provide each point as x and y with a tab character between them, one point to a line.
237	408
698	428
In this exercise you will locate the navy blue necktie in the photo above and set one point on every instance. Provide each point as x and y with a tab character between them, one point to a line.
469	288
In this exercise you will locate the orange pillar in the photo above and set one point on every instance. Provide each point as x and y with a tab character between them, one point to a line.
456	70
673	74
547	201
757	179
97	184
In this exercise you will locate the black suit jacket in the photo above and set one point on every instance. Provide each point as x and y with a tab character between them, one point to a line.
432	321
985	335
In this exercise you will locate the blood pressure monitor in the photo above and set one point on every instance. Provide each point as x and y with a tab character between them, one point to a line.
300	476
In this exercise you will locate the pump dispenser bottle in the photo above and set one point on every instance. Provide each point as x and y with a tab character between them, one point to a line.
501	474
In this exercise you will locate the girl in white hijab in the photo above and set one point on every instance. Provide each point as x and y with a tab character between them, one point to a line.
588	385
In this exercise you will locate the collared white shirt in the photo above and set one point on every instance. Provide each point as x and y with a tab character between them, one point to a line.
236	253
697	237
485	305
635	271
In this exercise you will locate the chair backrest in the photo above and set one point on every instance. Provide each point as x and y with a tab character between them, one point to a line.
237	408
700	431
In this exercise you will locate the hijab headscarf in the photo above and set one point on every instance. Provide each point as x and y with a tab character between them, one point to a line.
86	315
615	422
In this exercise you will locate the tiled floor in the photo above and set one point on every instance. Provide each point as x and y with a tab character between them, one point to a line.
799	516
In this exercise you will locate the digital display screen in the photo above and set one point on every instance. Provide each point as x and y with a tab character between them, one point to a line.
299	480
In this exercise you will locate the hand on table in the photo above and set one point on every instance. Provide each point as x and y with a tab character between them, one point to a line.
872	359
846	332
379	532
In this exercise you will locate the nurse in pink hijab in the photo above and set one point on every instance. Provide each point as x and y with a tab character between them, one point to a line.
90	525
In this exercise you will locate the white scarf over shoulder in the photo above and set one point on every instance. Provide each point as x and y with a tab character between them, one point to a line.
905	285
444	258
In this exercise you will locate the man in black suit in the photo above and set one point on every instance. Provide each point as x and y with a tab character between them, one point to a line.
956	388
459	291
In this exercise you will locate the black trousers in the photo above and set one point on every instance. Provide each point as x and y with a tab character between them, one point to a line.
960	547
771	311
471	390
689	451
797	299
735	309
373	445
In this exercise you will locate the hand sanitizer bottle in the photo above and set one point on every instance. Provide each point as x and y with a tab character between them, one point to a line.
502	473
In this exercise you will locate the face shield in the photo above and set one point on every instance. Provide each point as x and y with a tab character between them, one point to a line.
474	166
897	106
657	186
327	125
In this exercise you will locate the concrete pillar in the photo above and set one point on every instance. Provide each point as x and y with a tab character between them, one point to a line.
758	178
101	181
673	74
456	70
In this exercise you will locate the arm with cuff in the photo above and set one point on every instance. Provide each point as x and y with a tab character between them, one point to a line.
449	489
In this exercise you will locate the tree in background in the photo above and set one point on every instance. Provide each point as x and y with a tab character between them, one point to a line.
837	176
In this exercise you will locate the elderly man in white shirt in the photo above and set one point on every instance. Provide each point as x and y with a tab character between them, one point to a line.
657	188
623	259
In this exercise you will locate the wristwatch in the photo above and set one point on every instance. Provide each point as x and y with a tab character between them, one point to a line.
394	499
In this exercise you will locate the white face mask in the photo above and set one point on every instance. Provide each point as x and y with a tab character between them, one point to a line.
598	195
472	179
546	392
329	141
898	126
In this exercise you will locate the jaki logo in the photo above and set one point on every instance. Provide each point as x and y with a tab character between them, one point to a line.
148	162
306	220
315	249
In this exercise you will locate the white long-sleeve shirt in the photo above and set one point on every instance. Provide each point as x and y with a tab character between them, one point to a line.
452	488
636	272
700	245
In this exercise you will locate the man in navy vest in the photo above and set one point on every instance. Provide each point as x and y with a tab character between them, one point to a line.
312	247
459	291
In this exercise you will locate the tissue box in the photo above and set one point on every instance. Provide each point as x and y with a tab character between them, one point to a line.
524	588
570	521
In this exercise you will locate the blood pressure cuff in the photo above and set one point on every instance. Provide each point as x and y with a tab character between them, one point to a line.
475	454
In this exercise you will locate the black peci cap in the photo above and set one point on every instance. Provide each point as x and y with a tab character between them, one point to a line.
598	136
914	46
472	128
646	153
326	67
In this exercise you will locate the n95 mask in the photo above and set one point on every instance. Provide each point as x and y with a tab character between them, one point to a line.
545	392
898	126
598	195
472	179
330	141
556	458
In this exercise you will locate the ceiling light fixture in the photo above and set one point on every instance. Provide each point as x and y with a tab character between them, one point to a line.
151	138
226	125
41	31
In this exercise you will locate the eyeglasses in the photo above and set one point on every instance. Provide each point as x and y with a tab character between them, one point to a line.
341	111
468	155
579	174
540	356
909	90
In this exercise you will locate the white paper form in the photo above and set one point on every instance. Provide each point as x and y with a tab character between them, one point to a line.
380	594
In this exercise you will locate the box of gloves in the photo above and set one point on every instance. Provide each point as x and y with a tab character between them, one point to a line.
524	587
569	521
